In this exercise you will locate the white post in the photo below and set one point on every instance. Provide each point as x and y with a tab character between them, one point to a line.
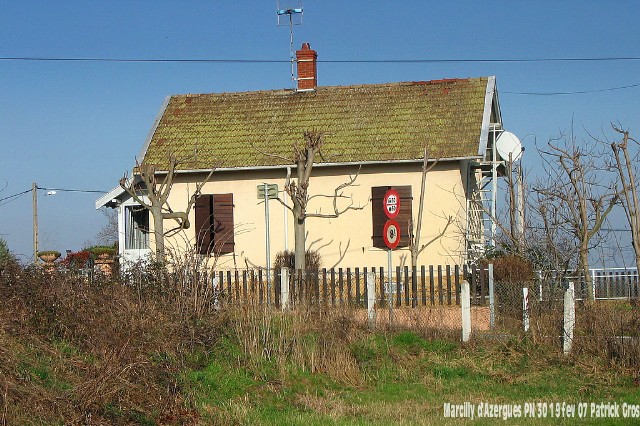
525	308
465	304
371	298
569	318
492	299
284	288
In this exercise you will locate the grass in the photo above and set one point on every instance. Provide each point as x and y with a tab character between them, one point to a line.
406	379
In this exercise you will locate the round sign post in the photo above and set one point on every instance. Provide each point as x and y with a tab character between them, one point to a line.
391	237
391	234
391	203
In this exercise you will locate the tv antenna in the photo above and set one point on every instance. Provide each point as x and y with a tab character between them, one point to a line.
290	13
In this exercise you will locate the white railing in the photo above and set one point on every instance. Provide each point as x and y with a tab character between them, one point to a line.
608	283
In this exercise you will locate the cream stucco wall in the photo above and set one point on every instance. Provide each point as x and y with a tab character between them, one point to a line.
348	235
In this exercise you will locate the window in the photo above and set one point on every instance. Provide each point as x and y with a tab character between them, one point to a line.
136	228
214	224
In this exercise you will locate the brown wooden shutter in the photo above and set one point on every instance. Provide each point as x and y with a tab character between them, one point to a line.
204	216
379	217
223	224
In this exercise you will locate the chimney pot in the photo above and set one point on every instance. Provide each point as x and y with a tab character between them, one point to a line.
307	68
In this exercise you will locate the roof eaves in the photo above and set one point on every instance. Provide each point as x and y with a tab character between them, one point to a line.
285	166
486	116
107	198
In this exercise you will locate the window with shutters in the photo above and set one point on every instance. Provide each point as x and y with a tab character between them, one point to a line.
214	224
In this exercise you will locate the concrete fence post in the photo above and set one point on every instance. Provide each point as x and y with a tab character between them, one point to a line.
525	309
284	288
492	299
569	318
371	299
465	304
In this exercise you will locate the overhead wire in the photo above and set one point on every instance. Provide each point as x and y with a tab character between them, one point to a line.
74	190
578	92
10	198
328	61
14	195
358	61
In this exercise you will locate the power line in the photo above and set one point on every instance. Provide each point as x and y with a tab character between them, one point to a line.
14	195
327	61
356	61
579	92
5	200
73	190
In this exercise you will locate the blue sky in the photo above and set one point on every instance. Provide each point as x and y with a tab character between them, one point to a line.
79	125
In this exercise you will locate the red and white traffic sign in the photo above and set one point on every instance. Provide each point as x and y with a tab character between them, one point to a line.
391	234
391	203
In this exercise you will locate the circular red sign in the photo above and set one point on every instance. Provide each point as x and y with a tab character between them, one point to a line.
391	234
391	203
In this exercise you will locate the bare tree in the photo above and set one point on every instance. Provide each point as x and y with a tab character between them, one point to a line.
626	165
108	234
304	157
414	237
155	198
575	189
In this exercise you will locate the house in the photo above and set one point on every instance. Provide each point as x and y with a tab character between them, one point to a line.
377	131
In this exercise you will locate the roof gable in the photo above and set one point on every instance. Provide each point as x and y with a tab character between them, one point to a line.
365	123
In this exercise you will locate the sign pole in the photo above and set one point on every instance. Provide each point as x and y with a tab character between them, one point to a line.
389	285
267	242
391	237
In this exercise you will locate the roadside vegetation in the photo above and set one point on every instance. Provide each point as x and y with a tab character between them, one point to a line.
76	349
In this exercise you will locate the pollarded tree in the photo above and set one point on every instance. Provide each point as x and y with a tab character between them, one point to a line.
303	158
152	193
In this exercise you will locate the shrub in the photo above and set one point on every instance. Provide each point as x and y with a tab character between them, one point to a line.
286	259
512	269
6	257
98	250
77	260
49	252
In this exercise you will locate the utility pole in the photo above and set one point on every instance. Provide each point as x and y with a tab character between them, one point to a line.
34	197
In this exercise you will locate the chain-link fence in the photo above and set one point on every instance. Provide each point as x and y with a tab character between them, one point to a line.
428	299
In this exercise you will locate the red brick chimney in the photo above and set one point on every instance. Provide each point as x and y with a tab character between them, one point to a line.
307	68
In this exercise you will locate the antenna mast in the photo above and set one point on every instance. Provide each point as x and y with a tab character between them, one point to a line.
295	18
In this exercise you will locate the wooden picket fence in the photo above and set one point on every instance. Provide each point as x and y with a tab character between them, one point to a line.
423	286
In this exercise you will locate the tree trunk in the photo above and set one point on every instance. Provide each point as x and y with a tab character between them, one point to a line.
637	295
300	249
584	269
158	232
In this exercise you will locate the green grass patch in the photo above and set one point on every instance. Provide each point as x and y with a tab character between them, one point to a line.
406	379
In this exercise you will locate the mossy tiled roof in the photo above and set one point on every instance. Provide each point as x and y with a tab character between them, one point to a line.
366	123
